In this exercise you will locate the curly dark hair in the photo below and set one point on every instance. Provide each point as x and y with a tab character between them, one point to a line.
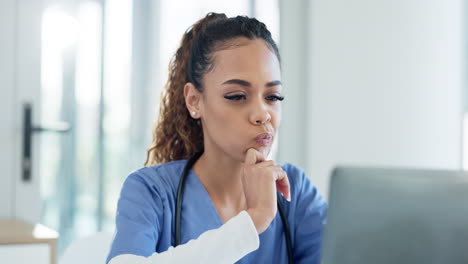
176	134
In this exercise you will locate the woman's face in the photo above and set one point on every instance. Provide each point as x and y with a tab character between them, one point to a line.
240	106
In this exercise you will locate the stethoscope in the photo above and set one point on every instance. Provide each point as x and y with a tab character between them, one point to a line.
180	194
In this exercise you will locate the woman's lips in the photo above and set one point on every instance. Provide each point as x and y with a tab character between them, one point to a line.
264	139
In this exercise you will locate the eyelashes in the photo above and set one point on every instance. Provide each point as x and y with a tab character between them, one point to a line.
239	97
235	97
275	98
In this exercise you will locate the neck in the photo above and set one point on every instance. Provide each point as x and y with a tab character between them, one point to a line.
221	176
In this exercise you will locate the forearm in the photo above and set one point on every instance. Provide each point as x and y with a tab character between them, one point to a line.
227	244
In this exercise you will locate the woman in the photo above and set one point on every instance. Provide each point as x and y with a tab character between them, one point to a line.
223	105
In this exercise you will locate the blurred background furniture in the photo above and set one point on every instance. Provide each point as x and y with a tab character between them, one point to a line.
90	249
22	242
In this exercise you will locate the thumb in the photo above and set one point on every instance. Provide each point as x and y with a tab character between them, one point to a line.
253	157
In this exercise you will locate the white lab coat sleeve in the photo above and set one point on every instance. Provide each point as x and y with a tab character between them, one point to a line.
224	245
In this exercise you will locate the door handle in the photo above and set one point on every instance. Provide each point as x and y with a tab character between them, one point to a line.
28	129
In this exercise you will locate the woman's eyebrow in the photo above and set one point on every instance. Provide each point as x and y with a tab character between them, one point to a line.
248	84
274	83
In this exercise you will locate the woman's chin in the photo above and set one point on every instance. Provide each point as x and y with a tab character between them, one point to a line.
265	151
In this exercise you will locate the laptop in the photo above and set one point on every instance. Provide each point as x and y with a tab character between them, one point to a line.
391	215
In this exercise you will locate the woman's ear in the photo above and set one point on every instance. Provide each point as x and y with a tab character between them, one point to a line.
192	100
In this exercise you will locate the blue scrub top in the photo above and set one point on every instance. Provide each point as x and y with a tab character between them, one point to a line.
146	213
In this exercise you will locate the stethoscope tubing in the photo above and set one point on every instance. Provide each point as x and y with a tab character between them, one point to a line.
179	198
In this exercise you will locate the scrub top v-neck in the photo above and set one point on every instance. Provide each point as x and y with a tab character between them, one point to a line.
146	211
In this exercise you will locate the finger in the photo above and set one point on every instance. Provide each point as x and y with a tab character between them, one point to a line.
282	185
253	157
268	163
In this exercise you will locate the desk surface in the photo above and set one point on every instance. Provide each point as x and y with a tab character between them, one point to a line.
19	232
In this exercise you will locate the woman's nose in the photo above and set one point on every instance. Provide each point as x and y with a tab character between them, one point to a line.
260	115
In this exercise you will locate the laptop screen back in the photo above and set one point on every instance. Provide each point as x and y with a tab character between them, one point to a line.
396	216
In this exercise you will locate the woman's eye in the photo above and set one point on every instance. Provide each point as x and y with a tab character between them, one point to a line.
236	97
275	98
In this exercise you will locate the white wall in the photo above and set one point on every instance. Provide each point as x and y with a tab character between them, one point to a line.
385	80
293	45
6	105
